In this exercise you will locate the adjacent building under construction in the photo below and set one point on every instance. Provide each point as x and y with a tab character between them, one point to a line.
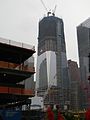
13	71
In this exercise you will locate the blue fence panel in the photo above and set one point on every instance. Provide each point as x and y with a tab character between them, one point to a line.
10	115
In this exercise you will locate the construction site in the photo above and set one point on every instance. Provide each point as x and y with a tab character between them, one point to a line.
59	88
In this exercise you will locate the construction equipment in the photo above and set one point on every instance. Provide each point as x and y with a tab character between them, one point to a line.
49	11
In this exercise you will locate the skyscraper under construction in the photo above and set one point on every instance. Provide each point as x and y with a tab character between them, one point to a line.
52	75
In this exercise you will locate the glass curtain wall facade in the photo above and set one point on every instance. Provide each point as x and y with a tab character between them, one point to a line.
52	73
83	35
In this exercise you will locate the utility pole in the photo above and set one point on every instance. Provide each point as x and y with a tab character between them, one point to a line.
89	77
89	68
89	62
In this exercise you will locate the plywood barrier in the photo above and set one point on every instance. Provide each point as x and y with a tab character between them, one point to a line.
4	64
29	69
27	92
3	89
17	91
14	90
8	65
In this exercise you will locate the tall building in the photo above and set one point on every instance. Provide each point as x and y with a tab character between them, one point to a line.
75	85
83	35
52	73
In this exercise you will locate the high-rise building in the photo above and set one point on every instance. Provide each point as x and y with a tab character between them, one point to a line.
52	73
83	35
75	85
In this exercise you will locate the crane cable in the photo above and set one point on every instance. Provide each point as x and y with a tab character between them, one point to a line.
44	5
49	12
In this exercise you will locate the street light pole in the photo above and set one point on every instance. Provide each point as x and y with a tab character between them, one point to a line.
89	68
89	62
89	77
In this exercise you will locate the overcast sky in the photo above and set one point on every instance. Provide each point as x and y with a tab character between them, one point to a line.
19	20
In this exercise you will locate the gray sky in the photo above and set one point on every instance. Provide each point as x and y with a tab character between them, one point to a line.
19	20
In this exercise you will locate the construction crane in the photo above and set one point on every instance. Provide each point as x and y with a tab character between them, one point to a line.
53	11
44	5
48	11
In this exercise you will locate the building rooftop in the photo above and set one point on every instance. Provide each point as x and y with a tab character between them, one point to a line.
86	23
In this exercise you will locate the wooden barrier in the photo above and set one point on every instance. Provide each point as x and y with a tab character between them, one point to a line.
16	91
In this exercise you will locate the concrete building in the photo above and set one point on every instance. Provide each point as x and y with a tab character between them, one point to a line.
75	85
83	35
52	73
